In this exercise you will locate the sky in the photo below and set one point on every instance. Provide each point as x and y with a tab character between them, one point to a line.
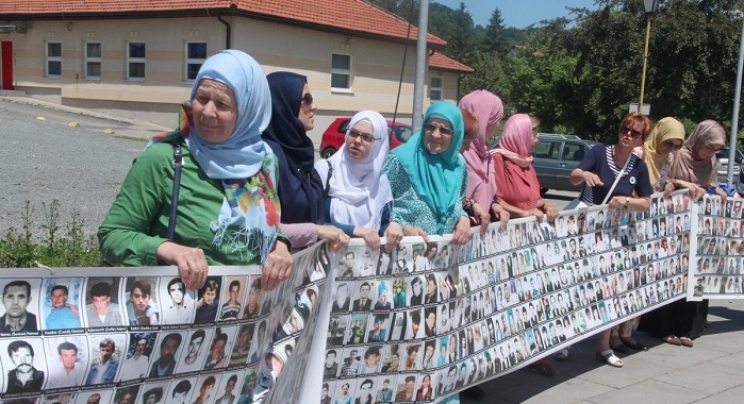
517	13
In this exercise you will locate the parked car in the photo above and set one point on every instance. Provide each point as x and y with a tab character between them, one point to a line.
335	134
740	182
555	156
723	162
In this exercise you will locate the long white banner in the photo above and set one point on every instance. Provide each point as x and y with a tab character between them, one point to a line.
717	269
434	318
416	325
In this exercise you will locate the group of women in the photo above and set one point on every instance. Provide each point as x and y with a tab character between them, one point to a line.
251	190
624	175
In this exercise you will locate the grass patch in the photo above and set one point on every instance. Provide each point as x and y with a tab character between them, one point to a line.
66	246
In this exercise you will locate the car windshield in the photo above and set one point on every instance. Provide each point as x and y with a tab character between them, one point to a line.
403	133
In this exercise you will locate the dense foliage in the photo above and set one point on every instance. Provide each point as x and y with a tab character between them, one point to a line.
579	74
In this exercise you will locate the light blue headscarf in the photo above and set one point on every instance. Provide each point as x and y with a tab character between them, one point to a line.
437	178
248	217
242	154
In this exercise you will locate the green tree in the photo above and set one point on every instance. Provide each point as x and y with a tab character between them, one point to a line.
496	41
595	60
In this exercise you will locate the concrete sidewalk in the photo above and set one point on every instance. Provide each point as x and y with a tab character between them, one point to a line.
710	372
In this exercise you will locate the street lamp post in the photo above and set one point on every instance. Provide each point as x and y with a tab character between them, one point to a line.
651	6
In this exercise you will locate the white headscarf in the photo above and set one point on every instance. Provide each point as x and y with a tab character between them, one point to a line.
358	189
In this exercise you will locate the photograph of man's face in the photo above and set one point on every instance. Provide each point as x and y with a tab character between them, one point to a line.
194	346
176	291
17	296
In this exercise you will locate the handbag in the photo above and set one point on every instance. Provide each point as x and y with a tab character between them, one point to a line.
178	162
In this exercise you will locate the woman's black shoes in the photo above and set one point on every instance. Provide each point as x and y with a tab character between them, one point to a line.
633	345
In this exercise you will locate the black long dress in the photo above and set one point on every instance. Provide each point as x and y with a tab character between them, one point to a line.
680	318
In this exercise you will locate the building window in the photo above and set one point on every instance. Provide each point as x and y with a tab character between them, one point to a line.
136	61
93	60
54	59
196	54
435	89
341	71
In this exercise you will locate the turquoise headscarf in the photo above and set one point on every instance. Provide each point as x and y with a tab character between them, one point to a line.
242	154
436	178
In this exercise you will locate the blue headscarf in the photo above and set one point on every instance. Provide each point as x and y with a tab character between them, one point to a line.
300	187
242	154
436	178
248	218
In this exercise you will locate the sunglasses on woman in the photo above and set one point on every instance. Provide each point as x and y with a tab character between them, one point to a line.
307	99
630	131
669	144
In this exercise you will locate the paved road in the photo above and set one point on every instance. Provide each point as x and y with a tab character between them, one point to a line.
42	161
708	373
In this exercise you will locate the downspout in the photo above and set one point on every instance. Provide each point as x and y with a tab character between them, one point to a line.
228	30
459	82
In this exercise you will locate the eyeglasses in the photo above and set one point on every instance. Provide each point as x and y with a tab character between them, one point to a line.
307	99
669	144
366	137
624	130
443	130
713	149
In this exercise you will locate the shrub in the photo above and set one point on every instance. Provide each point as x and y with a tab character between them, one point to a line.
74	248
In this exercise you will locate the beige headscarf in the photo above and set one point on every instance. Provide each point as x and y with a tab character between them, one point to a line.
692	168
666	129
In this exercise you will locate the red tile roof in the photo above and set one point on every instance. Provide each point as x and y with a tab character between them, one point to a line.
441	62
355	16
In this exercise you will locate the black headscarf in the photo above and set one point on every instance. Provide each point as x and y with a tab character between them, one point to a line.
300	187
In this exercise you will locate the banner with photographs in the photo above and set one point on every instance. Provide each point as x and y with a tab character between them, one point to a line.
137	335
720	249
431	319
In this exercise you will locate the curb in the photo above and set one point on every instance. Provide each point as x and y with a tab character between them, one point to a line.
143	138
83	112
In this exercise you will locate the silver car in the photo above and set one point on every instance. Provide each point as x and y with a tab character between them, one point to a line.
555	156
723	163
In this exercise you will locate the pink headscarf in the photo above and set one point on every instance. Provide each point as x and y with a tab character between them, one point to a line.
489	110
516	140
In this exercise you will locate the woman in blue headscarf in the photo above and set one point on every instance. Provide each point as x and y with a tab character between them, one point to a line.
300	186
428	179
228	211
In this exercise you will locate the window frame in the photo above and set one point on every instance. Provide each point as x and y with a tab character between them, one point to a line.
571	148
131	59
49	59
191	61
344	72
93	59
433	88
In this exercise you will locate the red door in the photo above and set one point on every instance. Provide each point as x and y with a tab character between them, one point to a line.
6	65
